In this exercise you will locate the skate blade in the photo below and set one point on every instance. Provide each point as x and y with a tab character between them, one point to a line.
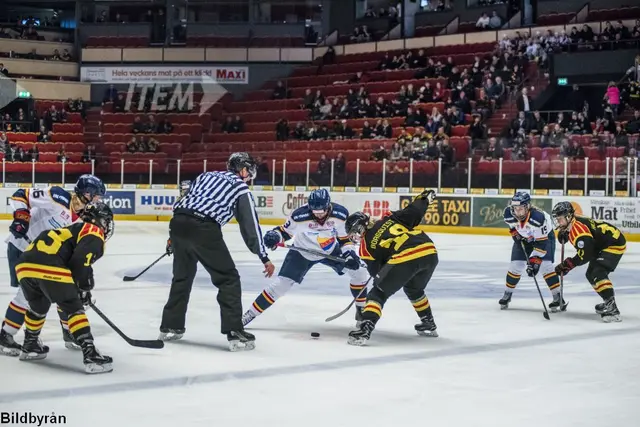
357	341
72	346
237	345
94	368
10	352
31	356
612	319
433	334
504	306
169	336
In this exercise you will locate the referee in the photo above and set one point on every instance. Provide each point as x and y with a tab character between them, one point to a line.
213	199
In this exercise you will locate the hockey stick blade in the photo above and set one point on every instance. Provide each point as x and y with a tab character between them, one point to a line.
132	278
135	343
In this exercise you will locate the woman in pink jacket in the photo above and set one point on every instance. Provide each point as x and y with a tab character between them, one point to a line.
613	95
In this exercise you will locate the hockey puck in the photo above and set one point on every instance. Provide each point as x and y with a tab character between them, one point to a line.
315	334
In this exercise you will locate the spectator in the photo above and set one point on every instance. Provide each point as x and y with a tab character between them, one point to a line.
227	126
432	152
384	130
575	151
324	112
133	145
518	123
119	104
493	152
263	168
483	21
519	150
556	137
613	98
447	154
62	156
536	123
20	155
621	137
152	145
340	164
396	153
323	132
523	102
3	70
299	132
379	154
55	56
4	141
43	135
495	21
463	103
138	125
545	137
282	130
324	167
165	126
280	92
367	131
477	132
65	55
151	126
34	153
89	154
9	152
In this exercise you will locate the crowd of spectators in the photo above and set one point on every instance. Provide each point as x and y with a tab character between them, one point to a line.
150	126
142	144
485	22
30	121
233	125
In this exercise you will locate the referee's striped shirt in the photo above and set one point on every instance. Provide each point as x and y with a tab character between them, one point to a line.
220	196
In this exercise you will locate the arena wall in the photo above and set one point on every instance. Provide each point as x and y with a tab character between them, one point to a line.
451	213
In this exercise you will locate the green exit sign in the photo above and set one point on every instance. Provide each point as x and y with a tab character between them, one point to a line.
563	81
23	94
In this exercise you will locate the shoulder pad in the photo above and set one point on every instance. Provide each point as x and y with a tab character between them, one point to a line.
60	196
303	213
536	218
339	211
508	216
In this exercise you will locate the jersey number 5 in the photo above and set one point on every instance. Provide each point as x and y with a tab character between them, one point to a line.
402	234
58	237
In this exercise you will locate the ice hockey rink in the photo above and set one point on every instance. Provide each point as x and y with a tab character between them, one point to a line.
488	367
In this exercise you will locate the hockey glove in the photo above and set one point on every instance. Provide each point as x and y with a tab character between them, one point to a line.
428	195
271	239
20	225
563	237
88	285
86	298
169	248
517	237
533	266
565	266
352	262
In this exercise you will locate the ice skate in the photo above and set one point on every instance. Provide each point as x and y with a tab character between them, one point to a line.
610	312
167	334
556	305
94	362
427	327
360	336
69	341
358	316
241	340
600	308
8	346
505	300
33	349
248	317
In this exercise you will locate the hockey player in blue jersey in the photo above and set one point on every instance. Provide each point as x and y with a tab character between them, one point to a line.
533	227
319	226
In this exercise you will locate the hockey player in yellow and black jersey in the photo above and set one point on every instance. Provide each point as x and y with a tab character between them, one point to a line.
56	268
597	243
398	257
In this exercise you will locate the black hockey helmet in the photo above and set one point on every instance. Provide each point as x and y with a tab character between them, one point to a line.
563	210
238	161
100	214
355	226
184	187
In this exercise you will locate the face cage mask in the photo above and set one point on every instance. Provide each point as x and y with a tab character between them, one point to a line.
520	218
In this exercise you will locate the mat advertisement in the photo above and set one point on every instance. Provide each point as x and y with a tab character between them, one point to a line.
621	212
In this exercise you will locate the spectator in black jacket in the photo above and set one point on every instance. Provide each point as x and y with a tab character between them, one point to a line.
282	130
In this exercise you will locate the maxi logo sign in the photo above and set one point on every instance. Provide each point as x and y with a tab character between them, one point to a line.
121	202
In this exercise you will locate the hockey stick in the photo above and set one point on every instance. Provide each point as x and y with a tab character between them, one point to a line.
132	278
316	253
132	342
353	301
544	305
563	306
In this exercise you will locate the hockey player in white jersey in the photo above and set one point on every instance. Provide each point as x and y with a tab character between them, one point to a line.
36	210
318	225
533	227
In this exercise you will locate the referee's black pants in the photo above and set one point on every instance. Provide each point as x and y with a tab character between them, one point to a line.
194	240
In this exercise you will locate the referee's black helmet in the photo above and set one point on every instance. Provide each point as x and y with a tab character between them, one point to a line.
238	161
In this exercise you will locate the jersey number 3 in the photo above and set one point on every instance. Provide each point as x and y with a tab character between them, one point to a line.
58	237
402	234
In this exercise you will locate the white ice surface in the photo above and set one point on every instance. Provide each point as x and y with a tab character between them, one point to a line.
488	368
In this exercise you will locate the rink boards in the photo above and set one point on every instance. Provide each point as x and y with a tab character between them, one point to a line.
451	213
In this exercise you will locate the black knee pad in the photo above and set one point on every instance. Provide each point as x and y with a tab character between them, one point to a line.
596	272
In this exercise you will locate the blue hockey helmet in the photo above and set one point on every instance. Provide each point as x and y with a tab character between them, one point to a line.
319	202
520	204
89	187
